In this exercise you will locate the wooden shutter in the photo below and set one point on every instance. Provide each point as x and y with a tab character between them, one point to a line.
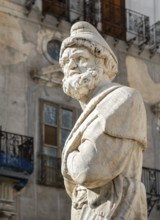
55	7
113	18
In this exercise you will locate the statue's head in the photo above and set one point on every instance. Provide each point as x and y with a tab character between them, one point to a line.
85	57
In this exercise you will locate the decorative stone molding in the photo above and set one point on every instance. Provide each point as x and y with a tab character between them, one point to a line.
49	76
7	198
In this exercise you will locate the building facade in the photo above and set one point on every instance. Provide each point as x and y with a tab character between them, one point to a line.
36	116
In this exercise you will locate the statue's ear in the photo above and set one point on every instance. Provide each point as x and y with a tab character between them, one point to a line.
111	68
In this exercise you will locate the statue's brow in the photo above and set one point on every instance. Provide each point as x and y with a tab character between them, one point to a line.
77	53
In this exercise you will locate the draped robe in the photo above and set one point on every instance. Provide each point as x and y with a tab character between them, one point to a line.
103	155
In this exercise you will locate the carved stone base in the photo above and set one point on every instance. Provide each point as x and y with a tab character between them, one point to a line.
6	198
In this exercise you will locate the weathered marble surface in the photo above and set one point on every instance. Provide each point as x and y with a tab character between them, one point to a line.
102	157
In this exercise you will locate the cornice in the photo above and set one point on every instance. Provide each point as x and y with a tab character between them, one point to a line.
49	76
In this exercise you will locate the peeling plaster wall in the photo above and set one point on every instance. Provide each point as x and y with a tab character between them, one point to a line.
21	52
139	76
13	83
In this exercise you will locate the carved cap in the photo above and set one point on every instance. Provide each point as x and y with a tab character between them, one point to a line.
84	31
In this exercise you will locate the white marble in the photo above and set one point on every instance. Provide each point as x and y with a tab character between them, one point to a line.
102	157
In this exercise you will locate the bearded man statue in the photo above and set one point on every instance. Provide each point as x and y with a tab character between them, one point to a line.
102	157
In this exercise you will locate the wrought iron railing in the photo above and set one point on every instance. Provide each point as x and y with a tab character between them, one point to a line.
16	152
50	171
90	11
50	175
155	35
151	180
137	26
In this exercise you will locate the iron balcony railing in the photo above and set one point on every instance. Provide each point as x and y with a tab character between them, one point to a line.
50	175
151	180
155	35
50	171
16	152
137	26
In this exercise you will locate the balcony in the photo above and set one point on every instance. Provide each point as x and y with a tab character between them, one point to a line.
151	180
50	171
111	19
137	27
16	156
154	42
50	175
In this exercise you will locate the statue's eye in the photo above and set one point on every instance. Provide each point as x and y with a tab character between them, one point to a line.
81	59
85	59
78	59
65	61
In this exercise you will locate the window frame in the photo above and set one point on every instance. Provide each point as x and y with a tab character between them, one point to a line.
46	39
59	107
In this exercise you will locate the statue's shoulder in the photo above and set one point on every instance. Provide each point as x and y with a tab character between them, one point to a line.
126	92
121	97
122	114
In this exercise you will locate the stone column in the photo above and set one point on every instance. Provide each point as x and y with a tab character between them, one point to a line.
7	211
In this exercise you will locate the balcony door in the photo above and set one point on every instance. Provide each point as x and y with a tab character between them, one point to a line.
113	18
57	8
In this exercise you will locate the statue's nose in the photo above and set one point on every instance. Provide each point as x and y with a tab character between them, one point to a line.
72	64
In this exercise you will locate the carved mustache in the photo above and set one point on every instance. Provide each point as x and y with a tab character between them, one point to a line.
77	79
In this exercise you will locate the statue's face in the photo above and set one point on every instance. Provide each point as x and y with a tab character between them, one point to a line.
82	72
76	61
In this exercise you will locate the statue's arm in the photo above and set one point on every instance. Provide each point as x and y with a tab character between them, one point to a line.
99	158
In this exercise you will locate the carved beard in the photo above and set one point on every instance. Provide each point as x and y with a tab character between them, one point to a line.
79	85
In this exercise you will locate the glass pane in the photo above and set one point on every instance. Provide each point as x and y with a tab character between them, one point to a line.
64	135
50	115
53	48
67	118
50	151
50	135
50	175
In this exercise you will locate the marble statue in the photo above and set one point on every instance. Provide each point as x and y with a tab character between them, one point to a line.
102	157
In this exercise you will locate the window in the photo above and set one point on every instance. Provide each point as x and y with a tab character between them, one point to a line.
51	47
56	124
57	8
113	18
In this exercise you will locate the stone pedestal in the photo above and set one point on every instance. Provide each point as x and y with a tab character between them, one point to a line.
6	198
